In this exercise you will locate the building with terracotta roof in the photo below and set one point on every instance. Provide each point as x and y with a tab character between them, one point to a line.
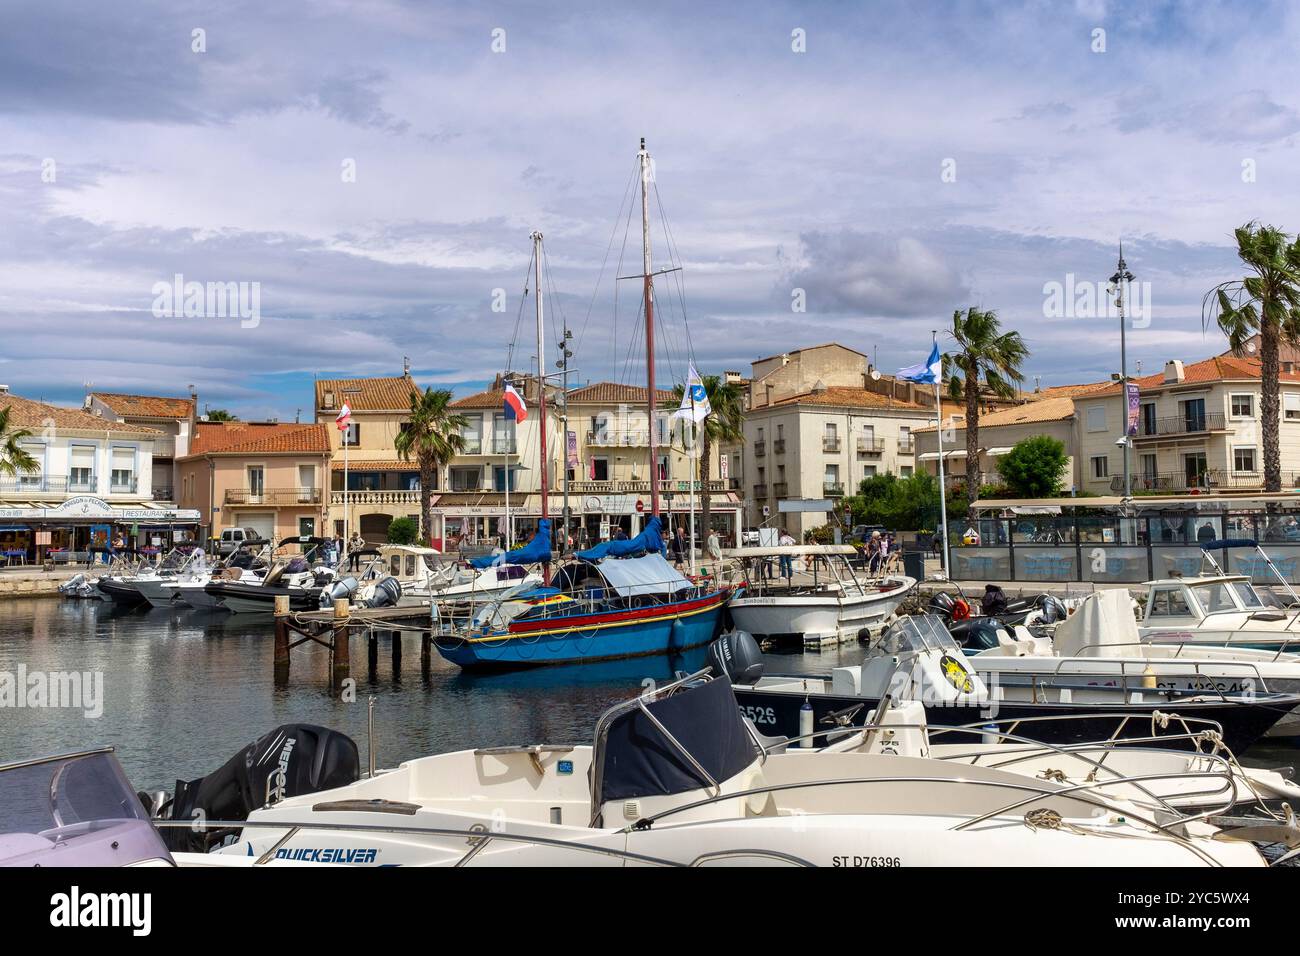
94	479
1197	431
267	476
380	485
172	417
818	423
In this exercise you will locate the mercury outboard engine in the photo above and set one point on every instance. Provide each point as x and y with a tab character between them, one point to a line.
387	593
344	588
292	759
736	654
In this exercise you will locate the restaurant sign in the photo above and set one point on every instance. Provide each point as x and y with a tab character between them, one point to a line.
89	506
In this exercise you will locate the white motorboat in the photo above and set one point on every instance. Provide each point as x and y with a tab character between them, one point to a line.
825	602
1221	610
427	575
1098	655
678	777
158	585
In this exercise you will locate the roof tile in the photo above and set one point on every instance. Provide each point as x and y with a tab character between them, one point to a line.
392	394
146	406
239	438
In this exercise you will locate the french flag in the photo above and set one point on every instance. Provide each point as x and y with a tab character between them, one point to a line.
514	405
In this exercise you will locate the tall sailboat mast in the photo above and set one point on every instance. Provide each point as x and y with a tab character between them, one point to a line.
649	324
541	386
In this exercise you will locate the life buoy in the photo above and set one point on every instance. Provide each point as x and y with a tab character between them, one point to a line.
960	610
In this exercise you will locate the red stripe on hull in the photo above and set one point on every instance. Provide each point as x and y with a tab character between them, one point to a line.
591	620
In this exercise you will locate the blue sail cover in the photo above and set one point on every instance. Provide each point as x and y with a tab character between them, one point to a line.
539	549
649	541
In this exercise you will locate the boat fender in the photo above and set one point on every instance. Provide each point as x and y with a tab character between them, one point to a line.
960	609
806	725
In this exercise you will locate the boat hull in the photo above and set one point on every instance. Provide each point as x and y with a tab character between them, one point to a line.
585	639
240	598
817	620
121	592
159	592
776	713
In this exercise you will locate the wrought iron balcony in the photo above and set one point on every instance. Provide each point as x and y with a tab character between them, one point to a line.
870	446
778	446
760	449
830	444
760	491
781	489
835	490
906	446
611	438
1186	424
274	496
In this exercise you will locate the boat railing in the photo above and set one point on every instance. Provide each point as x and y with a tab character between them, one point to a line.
1212	736
1249	666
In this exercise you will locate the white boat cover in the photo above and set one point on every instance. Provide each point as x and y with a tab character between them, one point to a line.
649	574
1102	626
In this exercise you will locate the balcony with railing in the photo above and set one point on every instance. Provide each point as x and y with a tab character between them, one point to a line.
906	446
714	486
34	485
733	484
781	489
473	446
760	449
778	446
830	444
275	496
1205	482
614	438
163	494
164	446
504	446
870	446
832	490
760	491
395	497
123	484
1186	424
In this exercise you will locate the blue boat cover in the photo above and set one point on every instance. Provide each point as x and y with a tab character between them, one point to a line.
1228	543
649	541
539	549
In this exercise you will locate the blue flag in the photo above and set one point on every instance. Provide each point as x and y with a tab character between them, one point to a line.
929	371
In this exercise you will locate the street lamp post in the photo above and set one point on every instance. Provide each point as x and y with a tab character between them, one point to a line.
1118	285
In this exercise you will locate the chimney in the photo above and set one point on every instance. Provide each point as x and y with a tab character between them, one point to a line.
1174	371
406	365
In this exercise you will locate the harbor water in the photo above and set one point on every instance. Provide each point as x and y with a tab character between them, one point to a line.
184	690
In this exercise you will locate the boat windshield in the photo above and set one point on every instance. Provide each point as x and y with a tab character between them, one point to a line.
73	810
917	633
1246	594
1215	597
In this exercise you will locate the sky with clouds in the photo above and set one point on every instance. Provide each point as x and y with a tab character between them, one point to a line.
911	160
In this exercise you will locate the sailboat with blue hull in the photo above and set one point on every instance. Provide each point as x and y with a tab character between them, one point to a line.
620	599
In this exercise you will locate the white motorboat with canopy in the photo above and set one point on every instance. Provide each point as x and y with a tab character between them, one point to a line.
678	777
826	602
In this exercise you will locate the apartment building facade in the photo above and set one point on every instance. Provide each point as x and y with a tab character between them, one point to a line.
268	476
93	480
380	485
173	418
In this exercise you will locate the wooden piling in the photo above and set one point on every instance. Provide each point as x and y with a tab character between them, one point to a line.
342	668
426	654
281	666
372	652
396	638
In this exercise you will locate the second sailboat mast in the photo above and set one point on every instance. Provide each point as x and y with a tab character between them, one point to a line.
541	384
649	324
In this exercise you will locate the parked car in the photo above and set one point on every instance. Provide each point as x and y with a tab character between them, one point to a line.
233	538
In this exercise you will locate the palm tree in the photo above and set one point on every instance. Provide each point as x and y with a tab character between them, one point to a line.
13	457
433	437
985	357
221	415
1266	302
724	424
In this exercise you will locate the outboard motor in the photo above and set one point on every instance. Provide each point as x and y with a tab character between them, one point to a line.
292	759
948	607
343	588
387	593
74	582
736	654
1053	610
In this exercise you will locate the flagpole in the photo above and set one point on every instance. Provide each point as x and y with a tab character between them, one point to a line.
347	524
943	495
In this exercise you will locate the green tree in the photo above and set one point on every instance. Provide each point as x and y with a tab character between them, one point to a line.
725	423
1267	303
221	415
13	457
403	530
432	437
1034	467
985	357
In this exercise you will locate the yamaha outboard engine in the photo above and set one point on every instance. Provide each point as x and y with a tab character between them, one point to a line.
736	654
1053	610
344	588
387	593
292	759
941	603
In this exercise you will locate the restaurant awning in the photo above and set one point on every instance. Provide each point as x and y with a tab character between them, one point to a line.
948	453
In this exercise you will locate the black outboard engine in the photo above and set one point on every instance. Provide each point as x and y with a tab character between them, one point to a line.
736	654
292	759
1053	610
387	593
942	604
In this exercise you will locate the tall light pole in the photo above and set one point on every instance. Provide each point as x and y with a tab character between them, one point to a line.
1118	287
